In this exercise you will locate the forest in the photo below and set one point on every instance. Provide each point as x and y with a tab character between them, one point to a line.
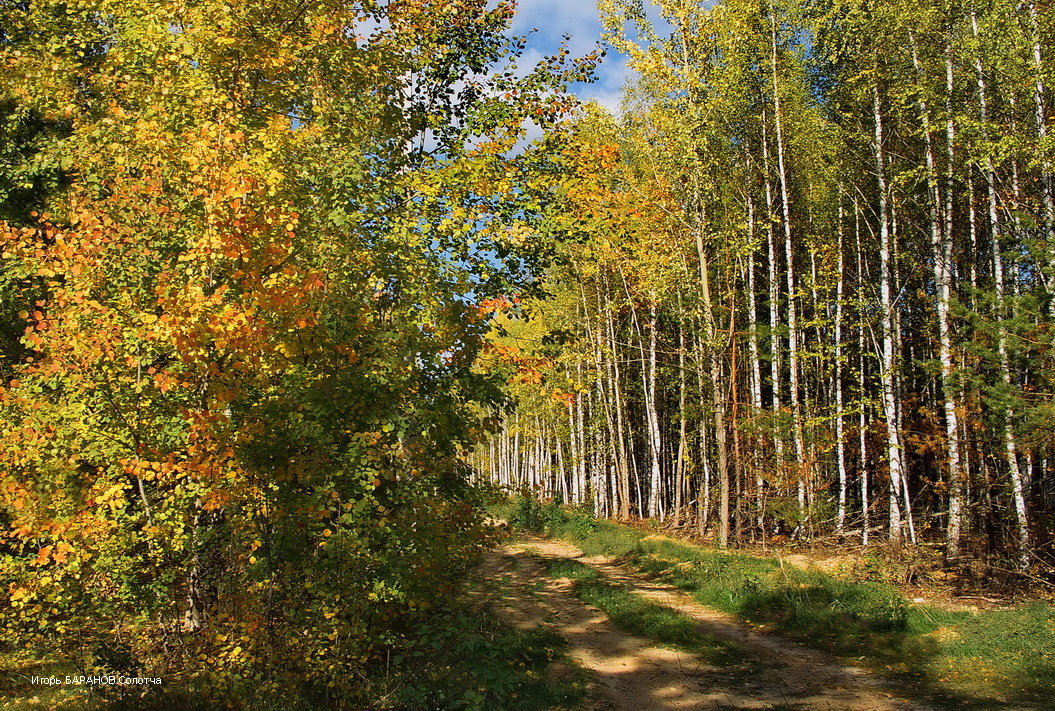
348	360
809	283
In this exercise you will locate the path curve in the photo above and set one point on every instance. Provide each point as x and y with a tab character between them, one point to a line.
633	674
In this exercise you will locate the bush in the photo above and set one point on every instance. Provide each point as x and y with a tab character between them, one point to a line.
550	517
526	514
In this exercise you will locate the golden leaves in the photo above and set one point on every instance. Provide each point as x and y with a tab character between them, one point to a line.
112	496
43	556
196	318
61	552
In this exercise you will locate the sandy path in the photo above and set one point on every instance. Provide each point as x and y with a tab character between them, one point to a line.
632	674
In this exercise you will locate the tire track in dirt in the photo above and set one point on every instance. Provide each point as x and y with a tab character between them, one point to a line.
631	673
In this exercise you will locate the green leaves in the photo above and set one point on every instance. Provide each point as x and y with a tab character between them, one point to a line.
247	372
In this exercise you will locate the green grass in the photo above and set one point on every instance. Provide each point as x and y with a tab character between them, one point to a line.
964	659
638	616
473	662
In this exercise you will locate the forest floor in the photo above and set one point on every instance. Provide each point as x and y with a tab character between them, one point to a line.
679	654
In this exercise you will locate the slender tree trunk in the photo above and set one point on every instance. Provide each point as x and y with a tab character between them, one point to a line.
944	277
887	307
1040	114
561	468
717	390
737	457
802	465
576	453
656	491
756	367
899	349
679	468
840	435
862	416
616	379
1007	431
517	461
776	351
648	385
703	498
941	253
194	615
581	477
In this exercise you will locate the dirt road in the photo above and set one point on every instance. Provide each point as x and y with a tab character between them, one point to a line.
633	674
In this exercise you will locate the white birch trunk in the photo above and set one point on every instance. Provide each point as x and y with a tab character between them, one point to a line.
840	435
802	473
887	306
1009	441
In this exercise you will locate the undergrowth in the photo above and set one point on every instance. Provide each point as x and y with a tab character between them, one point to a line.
460	660
969	659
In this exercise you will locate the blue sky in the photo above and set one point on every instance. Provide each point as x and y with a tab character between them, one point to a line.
553	18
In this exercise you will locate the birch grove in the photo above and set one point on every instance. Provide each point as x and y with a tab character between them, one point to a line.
817	253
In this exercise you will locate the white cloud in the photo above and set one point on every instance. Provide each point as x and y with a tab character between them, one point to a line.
548	20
